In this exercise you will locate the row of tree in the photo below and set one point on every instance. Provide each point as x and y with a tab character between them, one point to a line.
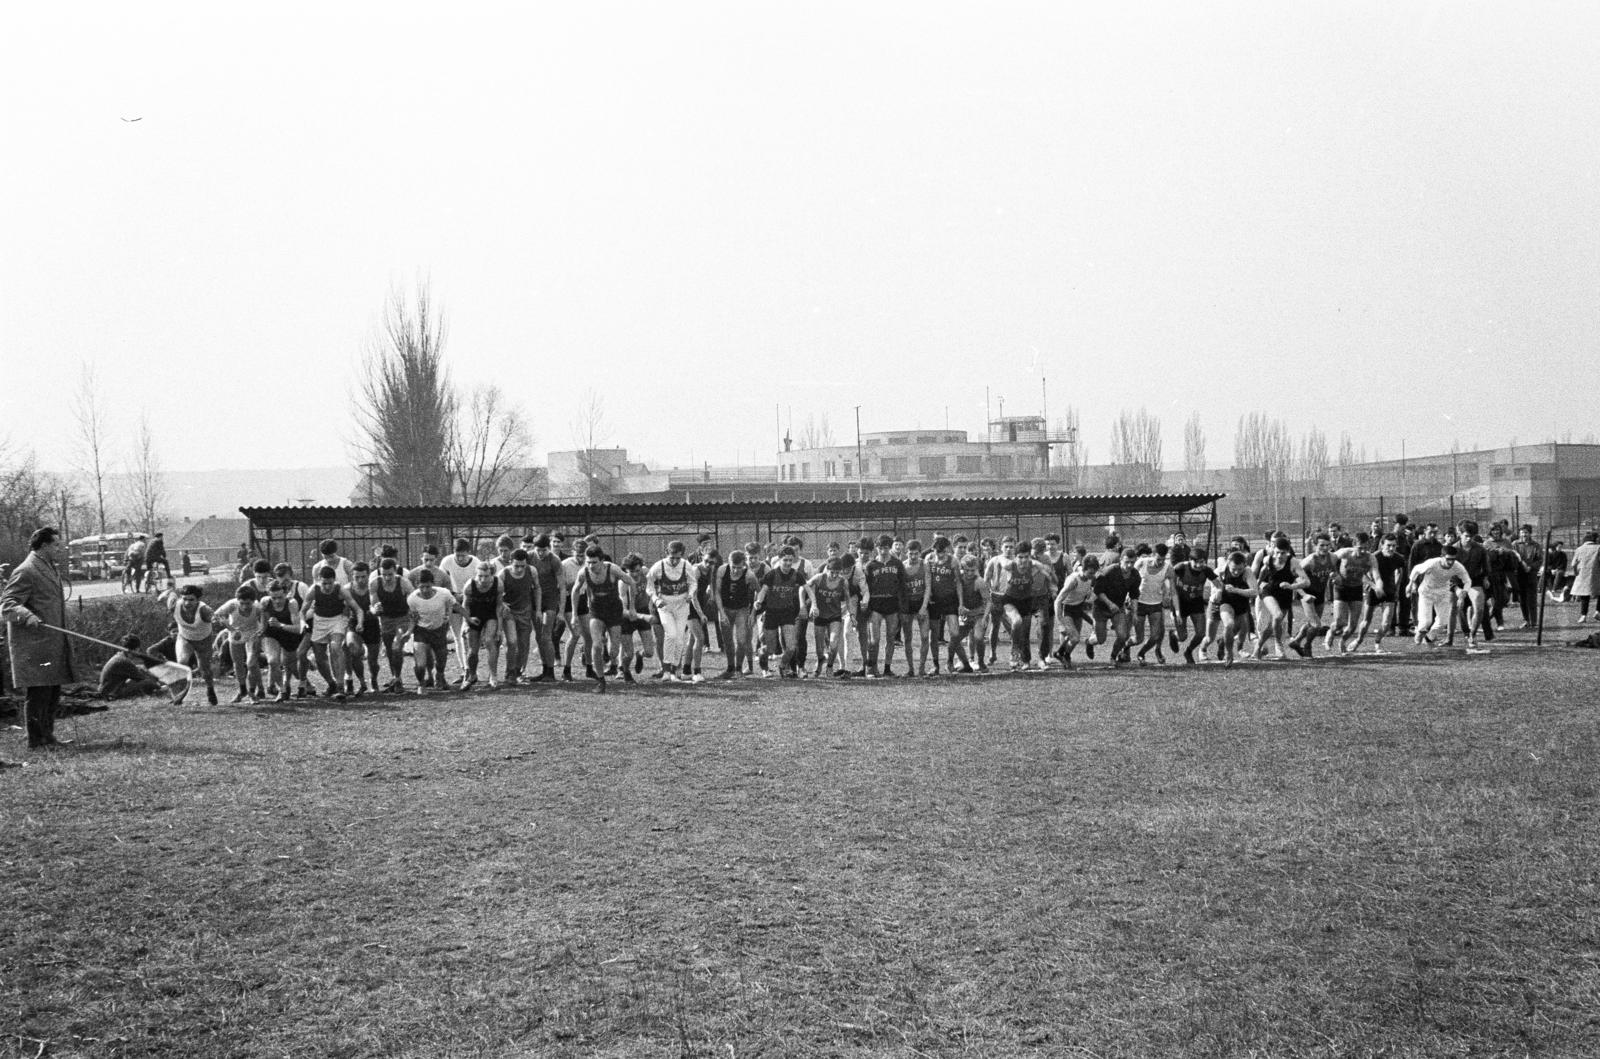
1267	458
106	493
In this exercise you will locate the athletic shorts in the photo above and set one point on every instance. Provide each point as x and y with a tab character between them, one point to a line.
885	607
940	609
774	619
1076	612
1188	608
1350	595
433	639
1147	609
1375	600
330	630
638	625
288	639
370	631
1023	606
826	618
609	614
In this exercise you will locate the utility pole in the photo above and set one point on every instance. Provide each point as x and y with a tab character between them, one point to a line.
861	487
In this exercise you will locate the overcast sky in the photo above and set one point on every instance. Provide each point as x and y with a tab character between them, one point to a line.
1378	218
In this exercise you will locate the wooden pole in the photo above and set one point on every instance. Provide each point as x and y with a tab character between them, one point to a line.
1549	535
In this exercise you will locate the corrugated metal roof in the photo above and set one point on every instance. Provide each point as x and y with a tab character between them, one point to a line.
732	510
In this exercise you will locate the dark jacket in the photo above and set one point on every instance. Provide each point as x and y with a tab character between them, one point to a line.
40	657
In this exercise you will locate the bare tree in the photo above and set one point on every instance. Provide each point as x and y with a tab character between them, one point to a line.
1262	454
27	501
88	412
408	408
1347	450
490	449
145	483
1310	467
815	433
1136	451
1075	465
590	434
1194	453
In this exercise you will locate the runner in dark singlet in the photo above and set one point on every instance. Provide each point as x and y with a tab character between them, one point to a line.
361	642
1279	577
483	601
1234	592
1355	572
389	594
602	585
914	586
1318	570
885	574
1387	588
778	603
1190	577
736	593
944	607
824	600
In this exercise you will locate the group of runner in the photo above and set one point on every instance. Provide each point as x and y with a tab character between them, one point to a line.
950	605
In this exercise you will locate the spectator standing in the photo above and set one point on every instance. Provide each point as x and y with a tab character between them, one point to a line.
1586	573
156	553
1532	554
41	658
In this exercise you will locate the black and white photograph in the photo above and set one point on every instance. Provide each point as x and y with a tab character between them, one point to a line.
725	530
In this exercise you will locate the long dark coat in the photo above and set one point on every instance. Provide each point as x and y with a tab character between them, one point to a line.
39	657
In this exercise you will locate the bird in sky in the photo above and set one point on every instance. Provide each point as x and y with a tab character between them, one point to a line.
131	120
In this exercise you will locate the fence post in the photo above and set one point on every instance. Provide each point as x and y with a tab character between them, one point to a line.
1549	535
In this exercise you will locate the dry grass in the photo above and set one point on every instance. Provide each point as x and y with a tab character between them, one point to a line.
1386	858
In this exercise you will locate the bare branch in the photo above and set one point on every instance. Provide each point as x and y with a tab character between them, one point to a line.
1136	452
88	411
408	408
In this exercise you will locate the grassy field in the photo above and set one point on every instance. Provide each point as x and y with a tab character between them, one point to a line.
1379	856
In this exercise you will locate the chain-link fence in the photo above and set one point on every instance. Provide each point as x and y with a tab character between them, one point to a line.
1302	515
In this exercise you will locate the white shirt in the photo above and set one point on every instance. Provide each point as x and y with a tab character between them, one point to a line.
1153	579
664	571
460	575
1435	577
431	613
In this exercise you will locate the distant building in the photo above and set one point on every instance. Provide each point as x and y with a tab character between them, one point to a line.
1548	486
590	475
217	540
1017	456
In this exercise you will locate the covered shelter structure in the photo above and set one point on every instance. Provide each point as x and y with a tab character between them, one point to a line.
293	534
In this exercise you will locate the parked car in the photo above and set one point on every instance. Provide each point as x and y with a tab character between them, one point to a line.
190	563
